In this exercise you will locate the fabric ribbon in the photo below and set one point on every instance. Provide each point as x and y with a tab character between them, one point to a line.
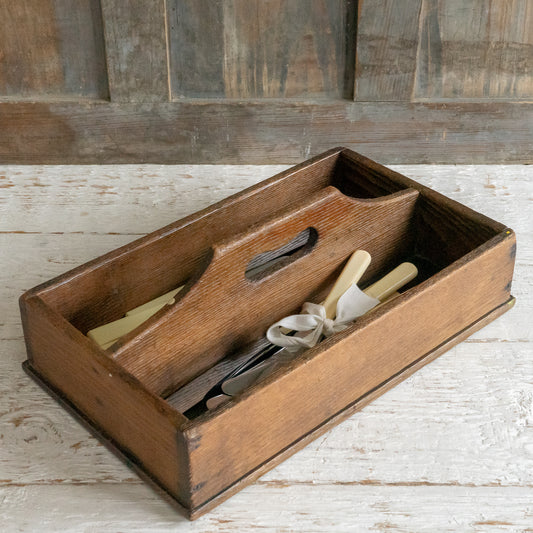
312	323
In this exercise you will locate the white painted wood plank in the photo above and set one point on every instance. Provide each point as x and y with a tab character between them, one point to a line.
126	199
449	449
272	508
502	192
28	260
141	198
39	441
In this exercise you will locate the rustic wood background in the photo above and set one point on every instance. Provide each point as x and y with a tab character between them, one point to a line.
448	450
263	81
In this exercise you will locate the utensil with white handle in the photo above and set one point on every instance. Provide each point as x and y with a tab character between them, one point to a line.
351	273
381	290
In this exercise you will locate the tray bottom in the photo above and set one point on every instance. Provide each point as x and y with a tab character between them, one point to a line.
303	441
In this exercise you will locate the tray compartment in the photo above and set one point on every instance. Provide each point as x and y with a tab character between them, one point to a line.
224	311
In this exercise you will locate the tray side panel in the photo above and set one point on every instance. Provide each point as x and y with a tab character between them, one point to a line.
228	444
352	408
119	408
166	258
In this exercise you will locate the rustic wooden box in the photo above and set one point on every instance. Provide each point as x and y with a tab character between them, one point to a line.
465	260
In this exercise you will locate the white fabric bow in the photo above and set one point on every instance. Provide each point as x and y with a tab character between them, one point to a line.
312	323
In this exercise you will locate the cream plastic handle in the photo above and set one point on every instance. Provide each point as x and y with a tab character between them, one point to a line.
393	281
107	334
352	272
164	299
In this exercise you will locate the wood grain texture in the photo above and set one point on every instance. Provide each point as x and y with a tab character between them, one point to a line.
52	49
387	46
475	49
447	450
136	50
277	132
417	50
261	49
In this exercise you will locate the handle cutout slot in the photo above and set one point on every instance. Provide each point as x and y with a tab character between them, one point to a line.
268	262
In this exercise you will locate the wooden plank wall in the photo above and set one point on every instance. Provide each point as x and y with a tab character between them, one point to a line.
435	50
262	81
261	49
479	50
136	50
49	50
387	43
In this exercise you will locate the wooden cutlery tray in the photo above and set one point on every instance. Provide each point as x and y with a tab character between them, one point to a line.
345	202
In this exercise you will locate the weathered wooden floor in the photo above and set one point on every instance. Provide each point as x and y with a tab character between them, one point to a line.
450	449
